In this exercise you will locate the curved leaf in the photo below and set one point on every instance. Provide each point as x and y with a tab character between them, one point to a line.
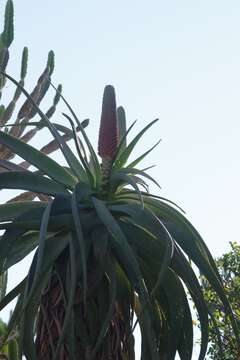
80	238
138	172
69	308
25	180
10	211
13	294
121	120
119	178
123	156
68	154
140	158
130	265
110	270
38	159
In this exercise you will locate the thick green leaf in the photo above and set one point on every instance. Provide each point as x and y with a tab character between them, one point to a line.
129	194
42	239
70	304
140	158
21	246
27	329
184	233
182	267
137	172
68	154
145	219
57	223
124	294
25	180
159	311
81	152
17	243
110	270
81	242
100	239
129	262
121	120
123	157
96	164
10	211
56	206
24	63
12	247
6	244
185	346
8	32
3	284
54	246
176	298
193	245
141	182
119	178
39	160
152	251
122	144
13	294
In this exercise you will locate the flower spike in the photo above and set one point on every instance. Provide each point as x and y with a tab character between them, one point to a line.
108	133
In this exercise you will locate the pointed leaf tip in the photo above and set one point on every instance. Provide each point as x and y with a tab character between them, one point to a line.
8	32
121	116
51	61
108	133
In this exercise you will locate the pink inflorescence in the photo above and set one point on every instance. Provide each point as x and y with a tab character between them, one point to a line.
108	133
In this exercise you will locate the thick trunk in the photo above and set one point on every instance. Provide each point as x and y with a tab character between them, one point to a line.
50	321
51	317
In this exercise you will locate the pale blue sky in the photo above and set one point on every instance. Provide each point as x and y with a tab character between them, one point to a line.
176	60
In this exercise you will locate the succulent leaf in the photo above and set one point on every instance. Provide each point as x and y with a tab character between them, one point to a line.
8	32
24	63
51	62
121	119
4	57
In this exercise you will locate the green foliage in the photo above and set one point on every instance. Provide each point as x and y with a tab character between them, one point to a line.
7	35
229	268
24	63
103	253
9	350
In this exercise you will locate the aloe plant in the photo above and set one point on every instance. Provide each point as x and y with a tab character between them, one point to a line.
107	250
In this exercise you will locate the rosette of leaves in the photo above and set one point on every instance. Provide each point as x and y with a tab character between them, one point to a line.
107	252
15	121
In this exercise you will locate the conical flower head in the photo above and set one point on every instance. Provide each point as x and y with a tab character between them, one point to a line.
108	133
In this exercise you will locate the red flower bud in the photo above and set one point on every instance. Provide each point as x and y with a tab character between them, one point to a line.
108	133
